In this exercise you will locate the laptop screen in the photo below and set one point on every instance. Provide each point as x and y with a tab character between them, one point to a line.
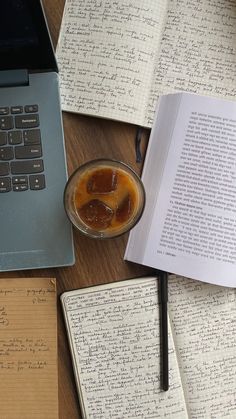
24	38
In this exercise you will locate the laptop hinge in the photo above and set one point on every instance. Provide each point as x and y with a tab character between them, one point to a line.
12	78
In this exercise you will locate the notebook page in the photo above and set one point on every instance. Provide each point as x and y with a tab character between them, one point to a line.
114	335
28	349
197	52
105	53
204	320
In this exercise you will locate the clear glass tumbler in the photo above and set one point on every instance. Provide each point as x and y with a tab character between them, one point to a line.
104	198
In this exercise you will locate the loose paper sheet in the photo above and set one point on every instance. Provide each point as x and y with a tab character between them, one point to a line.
28	349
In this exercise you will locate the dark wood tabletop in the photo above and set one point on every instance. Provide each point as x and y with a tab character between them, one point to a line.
96	262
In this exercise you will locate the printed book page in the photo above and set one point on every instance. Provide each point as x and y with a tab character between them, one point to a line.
190	220
28	349
203	319
114	338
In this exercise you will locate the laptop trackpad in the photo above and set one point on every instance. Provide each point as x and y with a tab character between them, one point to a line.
36	227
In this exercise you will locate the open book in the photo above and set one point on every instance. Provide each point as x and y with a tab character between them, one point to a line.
116	58
113	332
189	222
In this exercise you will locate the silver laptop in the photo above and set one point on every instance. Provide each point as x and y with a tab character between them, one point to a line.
34	230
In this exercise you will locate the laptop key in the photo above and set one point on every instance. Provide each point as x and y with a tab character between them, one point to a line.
28	151
14	137
16	109
4	110
31	108
6	122
25	167
32	136
6	153
27	121
37	182
20	188
4	169
5	184
16	180
3	138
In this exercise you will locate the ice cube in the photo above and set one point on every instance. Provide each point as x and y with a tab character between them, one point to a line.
102	181
124	209
96	214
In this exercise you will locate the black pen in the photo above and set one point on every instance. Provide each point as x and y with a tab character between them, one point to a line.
137	144
163	293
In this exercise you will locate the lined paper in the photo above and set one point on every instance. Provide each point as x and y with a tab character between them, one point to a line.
203	319
113	331
197	51
106	53
114	337
28	349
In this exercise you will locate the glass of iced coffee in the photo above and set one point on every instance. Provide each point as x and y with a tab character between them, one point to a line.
104	198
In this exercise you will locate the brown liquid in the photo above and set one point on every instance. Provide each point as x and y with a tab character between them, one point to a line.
106	198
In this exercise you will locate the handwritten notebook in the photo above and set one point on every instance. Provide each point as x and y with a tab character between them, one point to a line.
116	58
28	349
113	333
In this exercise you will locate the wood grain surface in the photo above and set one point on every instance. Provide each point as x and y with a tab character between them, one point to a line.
97	262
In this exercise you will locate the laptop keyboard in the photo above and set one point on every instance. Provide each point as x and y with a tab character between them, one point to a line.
21	164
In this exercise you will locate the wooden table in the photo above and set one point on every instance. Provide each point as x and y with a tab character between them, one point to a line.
97	262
